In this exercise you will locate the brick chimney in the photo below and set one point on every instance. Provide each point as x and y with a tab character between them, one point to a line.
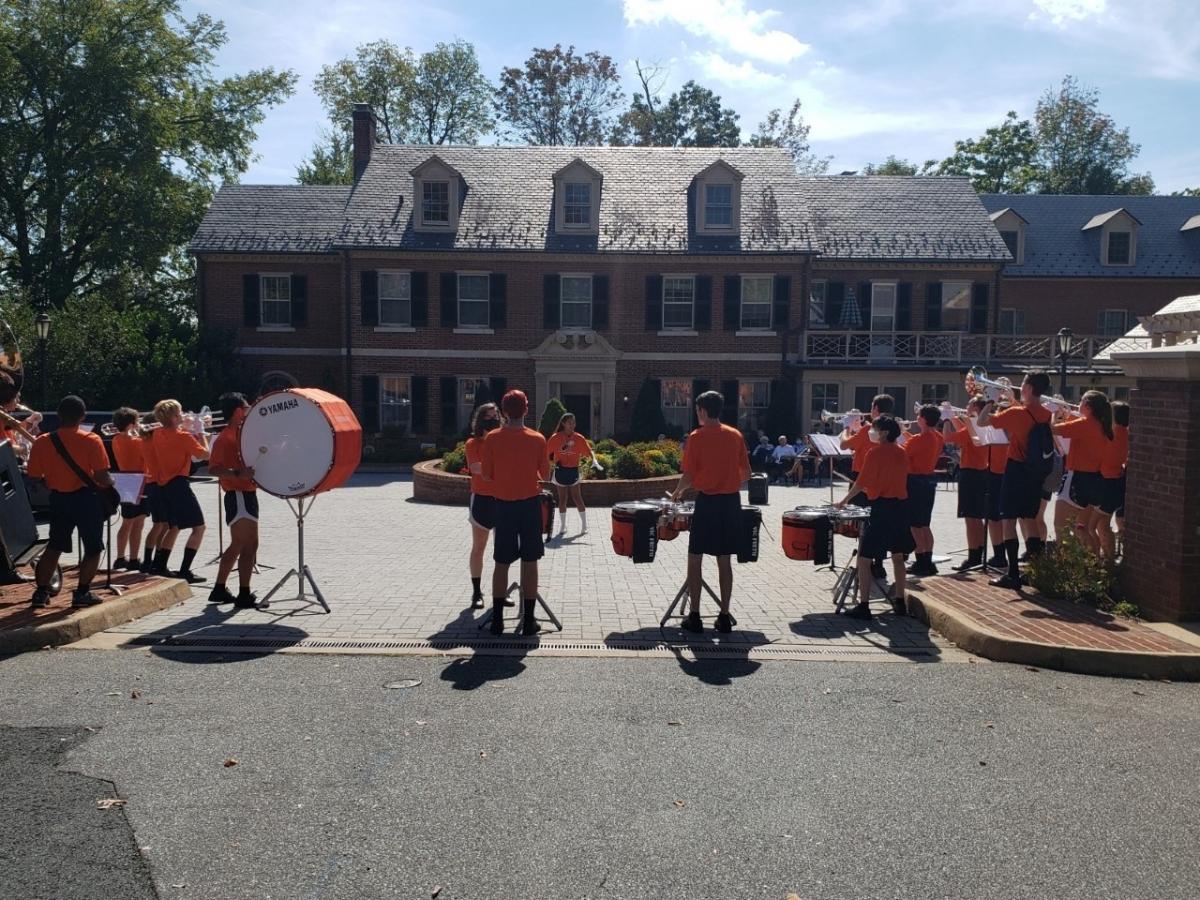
363	119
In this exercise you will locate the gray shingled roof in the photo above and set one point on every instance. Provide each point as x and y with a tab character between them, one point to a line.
1057	246
643	207
274	218
883	217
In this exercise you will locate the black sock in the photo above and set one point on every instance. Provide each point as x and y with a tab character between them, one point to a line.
189	554
1012	548
475	585
1034	546
82	588
161	555
149	557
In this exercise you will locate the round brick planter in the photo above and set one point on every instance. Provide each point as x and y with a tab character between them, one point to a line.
432	485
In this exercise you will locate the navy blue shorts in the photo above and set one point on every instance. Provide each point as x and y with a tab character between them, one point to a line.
518	531
481	510
157	501
241	505
922	491
565	477
1020	497
995	487
76	510
183	509
1081	489
716	525
135	510
972	493
1112	496
887	531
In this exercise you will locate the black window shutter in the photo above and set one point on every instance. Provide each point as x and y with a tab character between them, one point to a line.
370	403
369	295
699	386
654	290
299	300
449	299
498	386
448	386
979	308
783	397
864	304
904	306
419	400
783	303
498	295
551	317
251	311
729	412
835	297
933	306
733	302
703	303
419	291
600	302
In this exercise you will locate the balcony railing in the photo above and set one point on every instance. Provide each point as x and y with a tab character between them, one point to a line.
933	348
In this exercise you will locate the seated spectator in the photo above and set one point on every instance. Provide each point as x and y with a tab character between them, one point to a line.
805	465
763	455
783	457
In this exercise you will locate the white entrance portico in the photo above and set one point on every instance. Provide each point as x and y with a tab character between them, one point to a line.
578	364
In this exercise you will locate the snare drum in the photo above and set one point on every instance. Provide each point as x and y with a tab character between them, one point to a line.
635	530
806	534
749	525
848	521
674	519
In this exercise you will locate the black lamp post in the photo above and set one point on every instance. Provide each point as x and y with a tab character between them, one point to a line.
1064	352
43	331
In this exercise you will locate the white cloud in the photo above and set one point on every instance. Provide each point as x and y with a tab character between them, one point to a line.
725	22
717	68
1060	12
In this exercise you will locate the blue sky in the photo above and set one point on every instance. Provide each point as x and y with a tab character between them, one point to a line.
876	77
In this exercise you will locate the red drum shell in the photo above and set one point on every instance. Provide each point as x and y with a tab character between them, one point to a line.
799	536
850	528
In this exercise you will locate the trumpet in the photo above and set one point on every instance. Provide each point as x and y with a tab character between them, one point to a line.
17	425
848	420
1060	404
995	390
949	411
108	429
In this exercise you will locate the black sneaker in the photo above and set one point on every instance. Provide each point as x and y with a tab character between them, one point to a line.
999	561
899	606
189	576
220	594
877	570
724	623
530	626
477	601
119	563
1006	581
691	622
85	598
244	600
40	598
862	611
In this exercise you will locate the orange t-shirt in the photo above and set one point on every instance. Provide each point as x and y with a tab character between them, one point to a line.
173	452
127	451
1088	443
1116	453
1017	422
885	473
228	455
46	462
997	458
716	459
475	455
923	451
860	442
514	461
566	449
970	456
150	456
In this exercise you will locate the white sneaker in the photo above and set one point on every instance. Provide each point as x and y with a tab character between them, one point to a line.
583	523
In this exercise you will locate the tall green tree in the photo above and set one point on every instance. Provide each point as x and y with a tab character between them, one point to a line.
113	132
1187	192
331	162
790	133
894	165
559	97
452	100
690	117
379	73
1002	161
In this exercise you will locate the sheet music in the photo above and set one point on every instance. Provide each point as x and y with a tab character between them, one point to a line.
827	445
986	435
86	427
129	485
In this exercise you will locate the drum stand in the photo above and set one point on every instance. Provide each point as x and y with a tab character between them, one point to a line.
486	618
846	588
301	571
680	596
258	567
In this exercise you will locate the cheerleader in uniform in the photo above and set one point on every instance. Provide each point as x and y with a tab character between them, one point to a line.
566	447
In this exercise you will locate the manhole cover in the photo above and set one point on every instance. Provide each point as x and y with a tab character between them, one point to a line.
402	683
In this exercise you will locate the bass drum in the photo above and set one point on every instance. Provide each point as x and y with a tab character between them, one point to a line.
300	441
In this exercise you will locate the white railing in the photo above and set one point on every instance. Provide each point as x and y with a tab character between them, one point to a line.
924	348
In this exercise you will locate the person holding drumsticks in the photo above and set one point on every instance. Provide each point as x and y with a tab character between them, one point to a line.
861	443
241	505
566	448
515	463
715	463
481	507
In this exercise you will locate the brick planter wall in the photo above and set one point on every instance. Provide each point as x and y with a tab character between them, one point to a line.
432	485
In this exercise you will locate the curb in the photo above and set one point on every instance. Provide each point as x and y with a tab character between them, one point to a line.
86	622
969	635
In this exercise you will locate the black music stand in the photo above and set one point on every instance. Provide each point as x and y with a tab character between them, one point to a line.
302	507
115	589
680	595
486	618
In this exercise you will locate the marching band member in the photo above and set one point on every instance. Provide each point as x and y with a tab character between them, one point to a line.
156	502
73	503
566	447
923	450
972	484
514	463
241	505
997	463
1020	495
715	464
481	508
11	430
127	451
862	443
1112	491
884	480
174	450
1079	492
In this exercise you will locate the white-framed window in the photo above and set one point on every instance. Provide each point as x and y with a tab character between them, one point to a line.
467	388
435	202
473	300
754	396
275	298
677	403
1012	321
395	404
1012	240
575	301
824	396
1112	322
757	294
395	298
679	294
816	305
577	204
883	306
934	393
956	305
718	206
1121	393
1119	248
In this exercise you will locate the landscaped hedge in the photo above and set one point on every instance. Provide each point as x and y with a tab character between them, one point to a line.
644	459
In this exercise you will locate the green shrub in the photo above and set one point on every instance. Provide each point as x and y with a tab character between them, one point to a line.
455	460
608	445
630	463
1068	570
606	461
550	415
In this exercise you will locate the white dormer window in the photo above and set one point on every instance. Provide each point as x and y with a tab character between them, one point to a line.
437	188
1011	226
435	203
718	199
577	199
718	205
1118	237
577	204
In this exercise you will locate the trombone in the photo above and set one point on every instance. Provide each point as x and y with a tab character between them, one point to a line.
1059	404
995	390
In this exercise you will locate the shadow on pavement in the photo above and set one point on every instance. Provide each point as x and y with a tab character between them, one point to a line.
216	625
734	650
466	673
906	637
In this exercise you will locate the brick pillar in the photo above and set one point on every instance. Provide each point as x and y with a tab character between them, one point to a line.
363	120
1161	571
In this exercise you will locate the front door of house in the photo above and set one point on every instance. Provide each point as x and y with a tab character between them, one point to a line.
581	406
